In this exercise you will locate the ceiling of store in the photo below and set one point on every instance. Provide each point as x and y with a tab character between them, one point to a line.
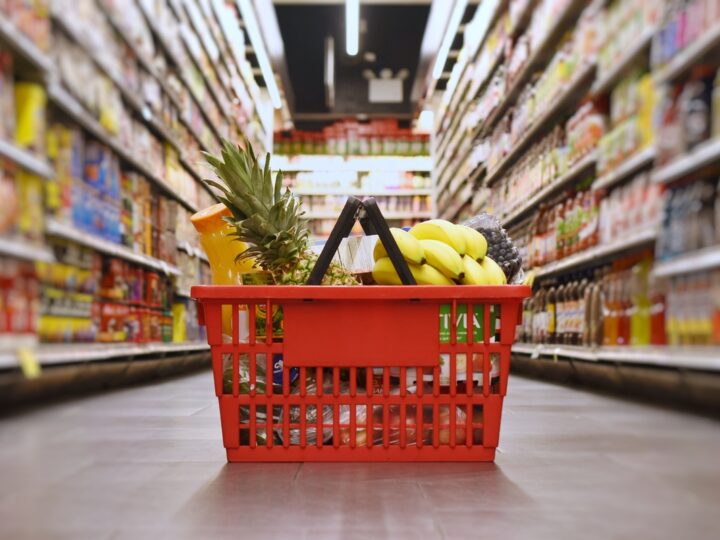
393	34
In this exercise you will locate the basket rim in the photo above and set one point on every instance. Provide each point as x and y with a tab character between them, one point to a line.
479	293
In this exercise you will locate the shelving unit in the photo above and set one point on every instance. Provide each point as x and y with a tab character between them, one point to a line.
26	160
72	107
606	81
704	259
569	94
51	354
351	163
69	232
24	46
330	214
643	159
194	110
695	358
574	173
599	253
21	249
706	154
690	56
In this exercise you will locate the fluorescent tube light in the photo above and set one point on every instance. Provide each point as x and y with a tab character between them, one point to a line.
253	30
449	37
352	26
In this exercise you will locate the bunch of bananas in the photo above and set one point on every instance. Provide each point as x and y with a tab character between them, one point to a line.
439	253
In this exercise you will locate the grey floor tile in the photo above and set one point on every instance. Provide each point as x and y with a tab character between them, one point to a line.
148	462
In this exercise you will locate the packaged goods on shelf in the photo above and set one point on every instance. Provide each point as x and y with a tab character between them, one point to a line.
691	219
687	113
618	305
30	120
7	96
634	207
681	24
18	297
591	217
621	25
30	18
377	138
632	107
22	217
693	309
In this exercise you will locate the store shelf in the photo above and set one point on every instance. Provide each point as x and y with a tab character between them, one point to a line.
531	204
19	248
597	254
538	56
389	192
192	251
697	358
75	353
26	160
72	107
386	215
689	56
690	162
630	166
69	232
130	96
22	44
460	200
169	53
351	163
607	81
695	261
148	66
14	342
571	93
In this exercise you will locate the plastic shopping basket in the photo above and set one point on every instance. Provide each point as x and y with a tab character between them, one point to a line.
366	373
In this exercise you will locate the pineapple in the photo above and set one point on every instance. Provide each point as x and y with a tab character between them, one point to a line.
267	218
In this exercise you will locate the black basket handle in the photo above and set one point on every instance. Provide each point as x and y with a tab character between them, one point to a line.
372	222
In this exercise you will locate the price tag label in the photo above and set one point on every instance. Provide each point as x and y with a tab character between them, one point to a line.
29	363
535	353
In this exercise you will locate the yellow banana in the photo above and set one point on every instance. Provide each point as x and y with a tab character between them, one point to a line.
475	274
496	273
384	274
475	243
441	230
409	246
443	258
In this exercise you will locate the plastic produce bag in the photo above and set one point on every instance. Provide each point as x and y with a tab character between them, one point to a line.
500	247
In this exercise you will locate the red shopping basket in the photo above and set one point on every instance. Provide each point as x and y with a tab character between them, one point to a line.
368	373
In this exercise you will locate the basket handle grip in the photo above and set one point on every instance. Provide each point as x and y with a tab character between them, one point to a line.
372	221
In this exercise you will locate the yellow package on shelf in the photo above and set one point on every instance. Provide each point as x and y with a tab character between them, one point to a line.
30	105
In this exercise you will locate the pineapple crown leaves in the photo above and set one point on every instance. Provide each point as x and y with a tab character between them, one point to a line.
266	218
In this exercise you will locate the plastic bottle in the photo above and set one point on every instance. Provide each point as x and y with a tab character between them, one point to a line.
640	301
610	311
222	249
560	315
551	311
540	316
695	104
581	312
657	312
560	231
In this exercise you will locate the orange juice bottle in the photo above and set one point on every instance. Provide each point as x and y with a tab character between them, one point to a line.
222	248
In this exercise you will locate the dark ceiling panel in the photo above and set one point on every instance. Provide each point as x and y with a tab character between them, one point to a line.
393	33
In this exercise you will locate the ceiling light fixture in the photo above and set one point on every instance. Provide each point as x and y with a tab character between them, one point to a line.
352	26
253	30
450	33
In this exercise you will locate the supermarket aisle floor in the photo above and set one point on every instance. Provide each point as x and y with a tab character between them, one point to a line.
147	463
